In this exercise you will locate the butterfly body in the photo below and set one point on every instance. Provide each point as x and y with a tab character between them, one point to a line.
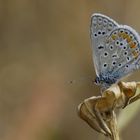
106	79
116	50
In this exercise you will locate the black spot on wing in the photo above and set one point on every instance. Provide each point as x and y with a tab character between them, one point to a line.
100	47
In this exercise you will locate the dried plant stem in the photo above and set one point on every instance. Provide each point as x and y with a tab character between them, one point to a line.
98	111
113	127
134	99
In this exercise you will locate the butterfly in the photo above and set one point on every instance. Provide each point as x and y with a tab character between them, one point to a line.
115	48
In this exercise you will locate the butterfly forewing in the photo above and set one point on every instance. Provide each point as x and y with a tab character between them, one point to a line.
101	27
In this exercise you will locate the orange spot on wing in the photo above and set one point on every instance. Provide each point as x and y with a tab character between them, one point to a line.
124	35
128	39
113	37
120	34
133	45
135	54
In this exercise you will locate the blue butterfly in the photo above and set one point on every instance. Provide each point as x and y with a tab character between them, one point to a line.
116	50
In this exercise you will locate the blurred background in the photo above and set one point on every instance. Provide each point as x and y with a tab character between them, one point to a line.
46	67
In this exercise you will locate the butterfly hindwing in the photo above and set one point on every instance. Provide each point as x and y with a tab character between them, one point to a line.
127	43
121	53
101	27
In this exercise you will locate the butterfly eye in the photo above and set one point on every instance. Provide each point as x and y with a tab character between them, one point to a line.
106	54
97	81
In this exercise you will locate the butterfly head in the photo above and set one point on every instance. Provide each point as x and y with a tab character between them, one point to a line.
97	81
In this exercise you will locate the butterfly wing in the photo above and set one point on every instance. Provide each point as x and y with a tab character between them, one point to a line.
123	57
101	27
